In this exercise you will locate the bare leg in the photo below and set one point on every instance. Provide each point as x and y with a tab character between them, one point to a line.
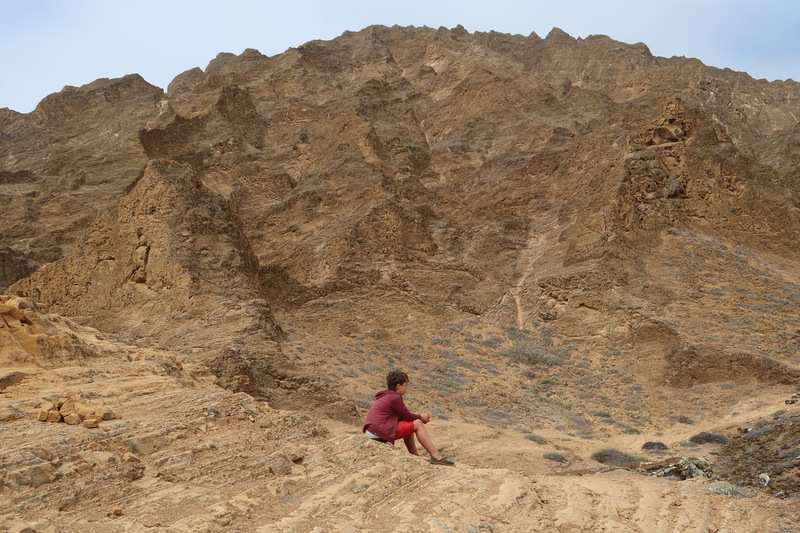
411	444
422	436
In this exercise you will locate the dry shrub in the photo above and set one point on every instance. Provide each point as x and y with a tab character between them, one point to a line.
704	437
610	456
536	355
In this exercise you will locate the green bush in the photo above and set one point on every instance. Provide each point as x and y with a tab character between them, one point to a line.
553	456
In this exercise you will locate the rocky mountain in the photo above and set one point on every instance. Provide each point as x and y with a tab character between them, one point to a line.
571	245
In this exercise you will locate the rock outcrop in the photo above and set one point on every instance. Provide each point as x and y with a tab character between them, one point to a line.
171	254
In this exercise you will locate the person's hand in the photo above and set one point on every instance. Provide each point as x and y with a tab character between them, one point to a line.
425	417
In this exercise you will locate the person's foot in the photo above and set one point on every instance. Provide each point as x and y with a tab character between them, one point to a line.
441	461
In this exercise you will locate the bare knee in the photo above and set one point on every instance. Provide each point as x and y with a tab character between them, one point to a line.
418	424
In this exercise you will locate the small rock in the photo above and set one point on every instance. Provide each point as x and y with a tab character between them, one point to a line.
73	419
91	421
67	408
7	414
42	415
53	416
108	414
128	457
85	411
295	453
280	464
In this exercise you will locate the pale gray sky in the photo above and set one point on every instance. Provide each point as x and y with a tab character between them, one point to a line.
47	44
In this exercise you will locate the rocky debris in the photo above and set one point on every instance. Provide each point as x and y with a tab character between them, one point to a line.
30	337
680	468
149	445
793	400
73	413
771	448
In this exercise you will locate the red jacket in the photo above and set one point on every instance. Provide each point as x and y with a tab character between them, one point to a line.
384	414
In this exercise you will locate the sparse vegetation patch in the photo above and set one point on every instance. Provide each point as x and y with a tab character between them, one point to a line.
613	457
536	438
704	437
726	489
653	445
523	352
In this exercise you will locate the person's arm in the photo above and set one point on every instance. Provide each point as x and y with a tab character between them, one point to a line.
402	411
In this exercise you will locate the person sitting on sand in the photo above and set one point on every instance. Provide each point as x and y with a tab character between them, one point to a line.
389	419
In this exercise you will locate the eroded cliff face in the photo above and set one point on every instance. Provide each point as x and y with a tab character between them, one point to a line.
170	257
478	175
74	156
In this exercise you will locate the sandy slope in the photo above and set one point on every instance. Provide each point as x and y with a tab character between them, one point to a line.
184	455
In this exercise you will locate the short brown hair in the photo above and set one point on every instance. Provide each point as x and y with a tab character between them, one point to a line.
395	378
